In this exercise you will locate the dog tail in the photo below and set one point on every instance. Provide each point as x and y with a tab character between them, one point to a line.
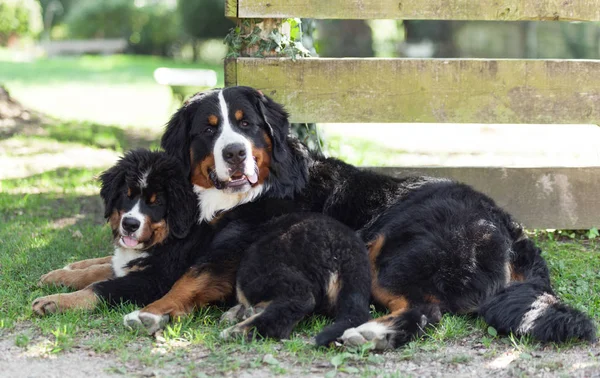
352	309
528	305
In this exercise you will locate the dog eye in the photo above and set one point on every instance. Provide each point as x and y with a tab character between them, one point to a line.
209	130
244	124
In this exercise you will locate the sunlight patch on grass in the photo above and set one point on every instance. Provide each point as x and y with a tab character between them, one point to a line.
118	89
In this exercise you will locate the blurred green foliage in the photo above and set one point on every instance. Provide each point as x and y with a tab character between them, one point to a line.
149	29
203	19
19	18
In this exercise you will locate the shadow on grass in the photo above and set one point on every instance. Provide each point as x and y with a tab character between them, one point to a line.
41	232
86	133
101	136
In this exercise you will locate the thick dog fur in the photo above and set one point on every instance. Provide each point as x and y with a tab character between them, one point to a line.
300	264
150	187
244	117
435	246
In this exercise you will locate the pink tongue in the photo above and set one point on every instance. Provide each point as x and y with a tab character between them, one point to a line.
129	241
253	178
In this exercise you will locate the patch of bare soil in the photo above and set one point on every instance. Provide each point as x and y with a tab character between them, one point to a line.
463	358
16	119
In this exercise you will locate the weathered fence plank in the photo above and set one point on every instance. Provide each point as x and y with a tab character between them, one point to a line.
506	10
427	90
561	198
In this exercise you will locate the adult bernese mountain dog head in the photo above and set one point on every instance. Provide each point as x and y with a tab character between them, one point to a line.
147	198
233	142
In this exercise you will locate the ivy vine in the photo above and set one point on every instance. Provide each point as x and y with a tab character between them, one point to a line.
248	39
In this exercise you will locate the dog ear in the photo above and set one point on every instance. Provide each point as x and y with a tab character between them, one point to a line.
277	122
112	181
175	140
182	209
289	168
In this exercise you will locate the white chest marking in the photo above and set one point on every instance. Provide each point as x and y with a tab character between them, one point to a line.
121	257
212	200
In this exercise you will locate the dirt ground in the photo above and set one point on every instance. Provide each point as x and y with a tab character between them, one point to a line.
464	358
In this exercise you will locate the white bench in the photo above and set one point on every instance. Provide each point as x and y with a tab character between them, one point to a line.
84	46
180	80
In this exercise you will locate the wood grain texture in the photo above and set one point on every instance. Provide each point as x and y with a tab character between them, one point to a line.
231	8
560	198
505	10
427	90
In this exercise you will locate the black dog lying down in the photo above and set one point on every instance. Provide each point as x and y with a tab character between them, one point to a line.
435	246
297	263
301	263
151	209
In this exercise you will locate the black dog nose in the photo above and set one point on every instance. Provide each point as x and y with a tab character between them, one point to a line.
234	153
130	224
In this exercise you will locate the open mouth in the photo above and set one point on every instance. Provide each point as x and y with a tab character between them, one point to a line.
236	179
129	242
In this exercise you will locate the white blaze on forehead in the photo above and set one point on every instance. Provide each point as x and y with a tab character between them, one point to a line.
144	179
226	137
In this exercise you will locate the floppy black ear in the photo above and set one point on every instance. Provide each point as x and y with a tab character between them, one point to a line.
112	181
182	207
289	168
175	140
278	125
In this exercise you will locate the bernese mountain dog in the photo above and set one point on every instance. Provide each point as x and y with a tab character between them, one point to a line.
151	209
435	246
300	264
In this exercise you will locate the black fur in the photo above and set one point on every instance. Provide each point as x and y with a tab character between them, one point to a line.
295	261
188	133
177	204
443	240
441	246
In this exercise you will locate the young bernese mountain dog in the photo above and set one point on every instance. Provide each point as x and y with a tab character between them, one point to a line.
151	209
435	246
301	263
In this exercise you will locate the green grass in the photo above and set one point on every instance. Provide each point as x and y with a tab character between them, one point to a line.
54	217
35	240
110	90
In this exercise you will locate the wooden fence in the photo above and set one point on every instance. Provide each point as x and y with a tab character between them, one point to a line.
446	90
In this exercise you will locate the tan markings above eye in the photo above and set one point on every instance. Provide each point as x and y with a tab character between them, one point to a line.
128	192
239	114
152	198
213	120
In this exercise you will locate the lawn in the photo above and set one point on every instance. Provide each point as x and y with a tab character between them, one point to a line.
51	215
110	90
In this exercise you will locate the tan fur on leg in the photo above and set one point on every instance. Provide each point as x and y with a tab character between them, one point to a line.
79	278
84	299
89	262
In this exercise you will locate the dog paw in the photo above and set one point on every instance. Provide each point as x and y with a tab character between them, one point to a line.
144	320
376	333
234	332
45	305
55	277
233	315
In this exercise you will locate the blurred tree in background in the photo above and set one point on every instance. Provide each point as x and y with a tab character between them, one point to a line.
18	19
344	38
149	27
202	20
180	28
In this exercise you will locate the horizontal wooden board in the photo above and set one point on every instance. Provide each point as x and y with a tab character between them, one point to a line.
427	90
560	198
506	10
